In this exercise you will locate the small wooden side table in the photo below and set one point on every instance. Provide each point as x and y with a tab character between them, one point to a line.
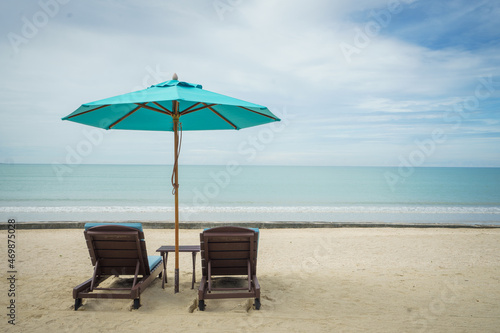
164	250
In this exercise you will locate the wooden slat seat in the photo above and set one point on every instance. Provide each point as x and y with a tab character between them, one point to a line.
119	250
229	251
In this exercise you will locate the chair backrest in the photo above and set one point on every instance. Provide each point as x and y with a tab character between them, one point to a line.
229	249
117	248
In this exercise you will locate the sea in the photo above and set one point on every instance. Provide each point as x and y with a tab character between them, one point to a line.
239	193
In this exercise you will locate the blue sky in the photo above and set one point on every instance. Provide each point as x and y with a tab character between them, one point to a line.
382	83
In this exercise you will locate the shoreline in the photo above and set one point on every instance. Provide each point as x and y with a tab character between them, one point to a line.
261	225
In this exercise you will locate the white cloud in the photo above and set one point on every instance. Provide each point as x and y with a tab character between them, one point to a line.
275	53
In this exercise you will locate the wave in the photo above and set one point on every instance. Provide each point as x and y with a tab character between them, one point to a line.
261	209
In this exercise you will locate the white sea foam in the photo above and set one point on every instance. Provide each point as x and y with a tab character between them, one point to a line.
260	209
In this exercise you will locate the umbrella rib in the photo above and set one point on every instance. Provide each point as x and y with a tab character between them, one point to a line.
143	105
189	108
170	113
124	117
84	112
259	113
198	109
223	118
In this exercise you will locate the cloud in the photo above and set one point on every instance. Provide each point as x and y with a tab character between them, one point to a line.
407	79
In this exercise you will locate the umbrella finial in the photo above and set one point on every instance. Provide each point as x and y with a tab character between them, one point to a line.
175	77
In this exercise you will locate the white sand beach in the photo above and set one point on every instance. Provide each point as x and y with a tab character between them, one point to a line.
312	280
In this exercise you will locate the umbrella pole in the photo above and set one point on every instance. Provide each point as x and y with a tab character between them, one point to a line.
176	182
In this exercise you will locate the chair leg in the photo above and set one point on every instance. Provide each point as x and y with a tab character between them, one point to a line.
137	303
201	305
257	304
78	303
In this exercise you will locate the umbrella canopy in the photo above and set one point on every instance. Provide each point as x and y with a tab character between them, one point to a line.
172	106
152	109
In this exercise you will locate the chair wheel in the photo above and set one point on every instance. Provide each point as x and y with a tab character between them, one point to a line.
137	303
201	305
257	304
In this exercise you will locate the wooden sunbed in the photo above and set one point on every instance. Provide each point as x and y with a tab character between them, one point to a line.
119	250
229	251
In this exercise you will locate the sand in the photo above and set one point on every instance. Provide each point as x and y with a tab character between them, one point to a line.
313	280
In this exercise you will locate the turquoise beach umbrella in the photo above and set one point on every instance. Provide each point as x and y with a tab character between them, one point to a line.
172	106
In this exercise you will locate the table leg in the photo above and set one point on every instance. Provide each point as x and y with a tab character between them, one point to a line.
165	258
194	270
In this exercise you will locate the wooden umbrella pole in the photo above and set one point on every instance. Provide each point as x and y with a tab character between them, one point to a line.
176	189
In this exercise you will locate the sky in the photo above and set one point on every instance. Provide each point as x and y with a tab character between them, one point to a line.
356	83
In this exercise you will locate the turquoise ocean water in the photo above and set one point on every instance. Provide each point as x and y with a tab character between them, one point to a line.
250	193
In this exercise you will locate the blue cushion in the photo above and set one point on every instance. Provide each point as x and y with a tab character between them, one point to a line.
153	261
254	229
137	226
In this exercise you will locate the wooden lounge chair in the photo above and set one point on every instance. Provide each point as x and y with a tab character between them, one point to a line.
117	249
229	251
